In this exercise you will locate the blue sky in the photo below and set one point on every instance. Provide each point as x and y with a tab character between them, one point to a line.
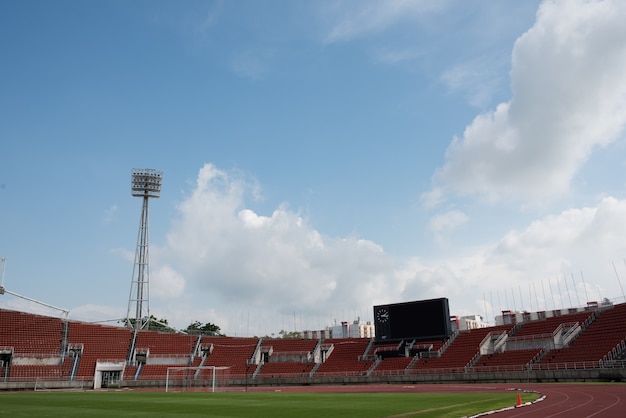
319	157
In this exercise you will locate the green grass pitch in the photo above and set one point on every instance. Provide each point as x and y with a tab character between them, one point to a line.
119	404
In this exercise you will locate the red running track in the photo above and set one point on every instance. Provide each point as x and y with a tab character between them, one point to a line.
574	400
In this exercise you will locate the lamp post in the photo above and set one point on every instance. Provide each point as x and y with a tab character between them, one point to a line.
146	183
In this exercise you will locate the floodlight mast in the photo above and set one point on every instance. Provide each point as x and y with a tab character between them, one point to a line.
3	262
146	183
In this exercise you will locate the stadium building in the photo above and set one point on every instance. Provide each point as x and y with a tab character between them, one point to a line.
411	346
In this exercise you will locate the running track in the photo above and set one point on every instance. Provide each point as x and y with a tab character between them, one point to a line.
576	400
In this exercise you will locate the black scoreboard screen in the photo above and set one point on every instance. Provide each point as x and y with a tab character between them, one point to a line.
421	320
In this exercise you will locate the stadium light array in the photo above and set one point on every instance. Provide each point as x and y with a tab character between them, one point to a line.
146	182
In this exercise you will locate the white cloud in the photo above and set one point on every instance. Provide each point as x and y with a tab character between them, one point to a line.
443	224
354	19
569	96
238	258
165	282
580	241
230	265
96	313
432	198
124	254
252	220
476	78
447	221
556	261
581	235
224	263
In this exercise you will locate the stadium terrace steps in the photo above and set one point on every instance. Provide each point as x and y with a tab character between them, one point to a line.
232	352
514	360
33	372
345	358
286	357
129	372
164	350
595	342
43	337
389	364
285	369
34	347
289	346
164	344
549	325
460	352
99	342
154	371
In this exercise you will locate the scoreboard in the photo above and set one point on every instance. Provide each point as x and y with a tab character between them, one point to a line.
420	320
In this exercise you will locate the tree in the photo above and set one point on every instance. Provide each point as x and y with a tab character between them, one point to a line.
290	334
159	324
154	325
198	327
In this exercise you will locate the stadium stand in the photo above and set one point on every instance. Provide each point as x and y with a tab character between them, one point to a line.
598	340
548	325
289	346
97	342
231	352
398	357
460	353
285	369
161	350
513	360
286	357
391	365
167	344
35	347
130	372
344	356
31	346
30	333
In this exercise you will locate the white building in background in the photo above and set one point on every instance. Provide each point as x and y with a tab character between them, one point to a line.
464	323
514	317
356	329
359	329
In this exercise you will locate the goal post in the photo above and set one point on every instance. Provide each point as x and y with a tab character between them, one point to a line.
197	379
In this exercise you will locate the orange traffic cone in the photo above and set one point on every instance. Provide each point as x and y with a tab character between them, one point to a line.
519	400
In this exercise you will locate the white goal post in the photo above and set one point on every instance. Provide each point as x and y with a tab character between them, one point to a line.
199	378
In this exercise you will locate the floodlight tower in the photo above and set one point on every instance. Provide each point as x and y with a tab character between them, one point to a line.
3	262
146	183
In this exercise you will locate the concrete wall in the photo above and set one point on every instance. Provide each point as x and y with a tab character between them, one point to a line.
541	376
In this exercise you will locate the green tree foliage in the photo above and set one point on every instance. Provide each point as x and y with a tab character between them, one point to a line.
290	334
154	325
159	324
198	327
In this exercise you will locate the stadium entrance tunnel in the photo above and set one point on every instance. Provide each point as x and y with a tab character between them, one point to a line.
5	361
110	379
108	374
